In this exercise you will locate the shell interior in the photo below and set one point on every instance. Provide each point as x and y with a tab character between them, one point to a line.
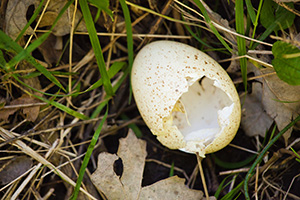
201	112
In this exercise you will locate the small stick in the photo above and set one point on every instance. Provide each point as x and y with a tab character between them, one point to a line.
199	159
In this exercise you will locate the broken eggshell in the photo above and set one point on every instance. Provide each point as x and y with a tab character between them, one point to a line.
185	97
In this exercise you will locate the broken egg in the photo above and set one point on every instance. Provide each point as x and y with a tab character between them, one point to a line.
185	97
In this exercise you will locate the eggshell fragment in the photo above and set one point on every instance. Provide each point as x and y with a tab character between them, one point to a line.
185	97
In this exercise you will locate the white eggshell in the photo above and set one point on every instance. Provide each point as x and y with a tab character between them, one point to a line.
185	97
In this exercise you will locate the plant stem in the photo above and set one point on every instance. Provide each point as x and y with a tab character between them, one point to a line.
199	159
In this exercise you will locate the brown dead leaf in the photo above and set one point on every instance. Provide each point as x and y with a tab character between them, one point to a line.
4	114
105	179
63	26
31	112
14	168
280	100
169	188
255	121
15	18
132	152
49	51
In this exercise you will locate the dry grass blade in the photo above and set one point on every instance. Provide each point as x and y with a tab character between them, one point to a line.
27	150
220	27
32	173
249	57
20	177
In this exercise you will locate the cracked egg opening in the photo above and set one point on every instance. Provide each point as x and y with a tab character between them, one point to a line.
185	97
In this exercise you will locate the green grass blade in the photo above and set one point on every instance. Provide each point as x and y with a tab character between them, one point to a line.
122	79
17	77
255	24
57	73
233	165
221	187
87	157
272	133
251	11
2	60
25	54
96	46
129	38
128	32
233	192
208	21
171	173
296	154
7	43
53	103
113	70
265	34
62	108
262	154
107	98
196	37
10	45
239	22
102	5
100	107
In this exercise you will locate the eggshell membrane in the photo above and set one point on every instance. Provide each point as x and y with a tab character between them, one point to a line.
162	72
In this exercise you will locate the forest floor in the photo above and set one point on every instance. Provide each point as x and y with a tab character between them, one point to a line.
69	124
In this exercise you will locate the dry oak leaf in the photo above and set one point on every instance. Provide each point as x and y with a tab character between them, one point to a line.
64	24
132	152
49	51
15	17
12	169
279	100
255	121
31	112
